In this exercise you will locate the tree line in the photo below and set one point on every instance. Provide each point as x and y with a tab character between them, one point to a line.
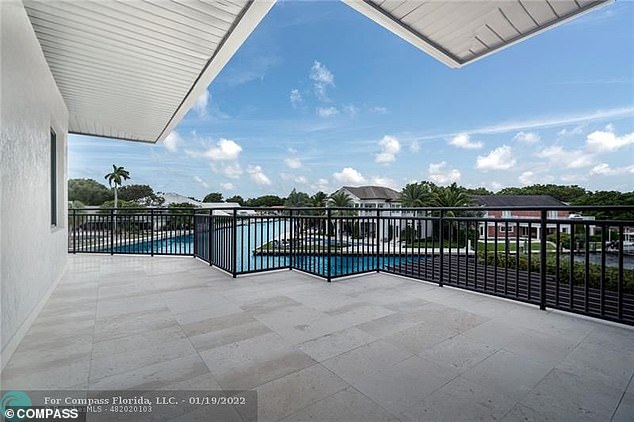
89	192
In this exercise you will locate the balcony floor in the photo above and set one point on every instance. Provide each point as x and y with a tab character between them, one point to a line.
369	348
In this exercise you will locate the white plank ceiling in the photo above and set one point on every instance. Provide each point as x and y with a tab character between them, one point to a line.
458	32
131	69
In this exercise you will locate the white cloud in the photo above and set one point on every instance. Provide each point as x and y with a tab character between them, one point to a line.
463	141
350	110
379	110
172	141
527	137
495	185
500	158
348	175
293	162
414	147
300	179
201	182
390	146
232	171
258	176
224	150
574	158
322	185
607	141
296	98
200	105
604	169
573	178
556	121
385	181
439	173
577	130
227	186
323	78
532	178
327	111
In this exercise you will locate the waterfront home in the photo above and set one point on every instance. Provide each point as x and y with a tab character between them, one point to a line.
516	214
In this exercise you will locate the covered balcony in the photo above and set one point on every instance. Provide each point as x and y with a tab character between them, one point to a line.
368	348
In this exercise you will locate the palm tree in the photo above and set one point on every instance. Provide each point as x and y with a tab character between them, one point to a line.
319	200
116	178
415	195
450	197
339	199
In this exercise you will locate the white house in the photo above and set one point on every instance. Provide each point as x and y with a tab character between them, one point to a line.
131	70
370	200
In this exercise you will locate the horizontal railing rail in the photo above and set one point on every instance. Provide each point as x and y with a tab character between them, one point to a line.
577	263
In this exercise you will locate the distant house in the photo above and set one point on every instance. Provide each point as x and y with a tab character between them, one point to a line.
174	198
526	230
372	196
368	199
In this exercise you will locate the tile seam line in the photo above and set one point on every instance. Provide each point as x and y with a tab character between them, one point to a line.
622	396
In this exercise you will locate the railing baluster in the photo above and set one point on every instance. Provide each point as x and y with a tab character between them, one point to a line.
542	261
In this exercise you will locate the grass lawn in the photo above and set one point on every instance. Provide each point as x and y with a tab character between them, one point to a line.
512	246
434	244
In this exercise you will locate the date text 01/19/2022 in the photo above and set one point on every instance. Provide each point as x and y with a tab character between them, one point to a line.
218	400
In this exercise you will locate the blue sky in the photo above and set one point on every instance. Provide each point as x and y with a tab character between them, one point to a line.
320	96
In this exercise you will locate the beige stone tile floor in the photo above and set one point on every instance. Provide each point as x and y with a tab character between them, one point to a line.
369	348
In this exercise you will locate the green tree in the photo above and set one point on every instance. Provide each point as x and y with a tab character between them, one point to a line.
416	195
319	199
450	197
141	194
477	191
564	193
340	199
181	216
236	198
213	197
599	198
265	201
88	191
297	199
116	178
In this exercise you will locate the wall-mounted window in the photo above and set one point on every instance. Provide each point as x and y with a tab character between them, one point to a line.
53	179
511	229
506	214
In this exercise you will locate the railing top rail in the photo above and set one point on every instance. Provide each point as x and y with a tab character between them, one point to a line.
570	208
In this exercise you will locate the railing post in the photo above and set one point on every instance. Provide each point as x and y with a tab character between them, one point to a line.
290	241
195	238
74	230
329	234
441	240
234	244
542	261
152	225
111	231
210	228
378	240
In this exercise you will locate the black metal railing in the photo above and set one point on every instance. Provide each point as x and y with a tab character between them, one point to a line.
547	257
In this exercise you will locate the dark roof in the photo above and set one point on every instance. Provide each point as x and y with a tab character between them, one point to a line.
517	201
373	192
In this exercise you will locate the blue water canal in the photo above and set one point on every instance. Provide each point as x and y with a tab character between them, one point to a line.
251	236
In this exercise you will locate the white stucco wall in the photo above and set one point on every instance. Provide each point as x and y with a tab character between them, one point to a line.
32	252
